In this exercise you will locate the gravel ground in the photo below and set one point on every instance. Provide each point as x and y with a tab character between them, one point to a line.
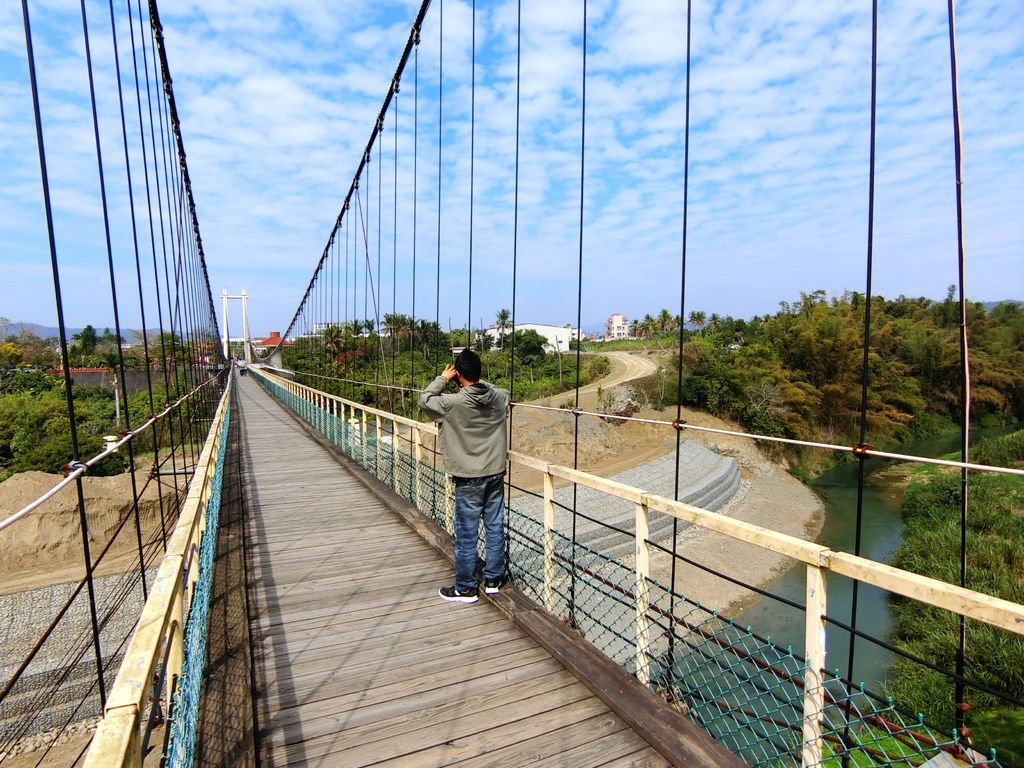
59	685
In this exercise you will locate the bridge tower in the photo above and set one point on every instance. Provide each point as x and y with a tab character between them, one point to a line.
246	337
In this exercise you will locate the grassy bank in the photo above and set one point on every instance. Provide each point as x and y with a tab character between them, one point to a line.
995	566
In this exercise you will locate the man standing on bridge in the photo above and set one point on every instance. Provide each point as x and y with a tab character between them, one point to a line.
474	445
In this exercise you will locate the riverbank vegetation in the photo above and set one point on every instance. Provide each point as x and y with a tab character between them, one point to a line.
387	369
34	432
798	373
995	566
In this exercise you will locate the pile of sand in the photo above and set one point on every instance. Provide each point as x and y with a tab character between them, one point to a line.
45	546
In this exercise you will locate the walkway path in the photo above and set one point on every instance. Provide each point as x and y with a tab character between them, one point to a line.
358	662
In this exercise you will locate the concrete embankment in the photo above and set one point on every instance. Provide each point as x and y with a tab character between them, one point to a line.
706	479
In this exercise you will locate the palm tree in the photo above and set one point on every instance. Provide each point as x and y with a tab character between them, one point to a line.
502	325
334	339
648	324
697	319
664	321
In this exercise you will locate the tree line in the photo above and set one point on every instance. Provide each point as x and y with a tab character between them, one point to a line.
90	348
798	373
383	367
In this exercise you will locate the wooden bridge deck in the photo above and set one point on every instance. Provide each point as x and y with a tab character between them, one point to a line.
359	662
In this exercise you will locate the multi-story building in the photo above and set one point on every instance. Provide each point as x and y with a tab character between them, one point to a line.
617	327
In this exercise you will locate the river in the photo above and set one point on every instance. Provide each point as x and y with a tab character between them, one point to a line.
882	530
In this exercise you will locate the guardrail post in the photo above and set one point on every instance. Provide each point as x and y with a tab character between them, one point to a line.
362	438
395	481
549	542
814	685
418	455
376	453
642	599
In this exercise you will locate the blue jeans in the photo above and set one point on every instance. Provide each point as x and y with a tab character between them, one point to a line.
476	498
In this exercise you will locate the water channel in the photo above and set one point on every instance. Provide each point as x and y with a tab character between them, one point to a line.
881	533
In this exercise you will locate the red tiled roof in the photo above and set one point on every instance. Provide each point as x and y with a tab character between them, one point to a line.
273	340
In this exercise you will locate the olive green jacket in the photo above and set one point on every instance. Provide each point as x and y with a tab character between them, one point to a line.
472	426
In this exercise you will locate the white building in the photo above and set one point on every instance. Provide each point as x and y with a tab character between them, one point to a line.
617	327
557	337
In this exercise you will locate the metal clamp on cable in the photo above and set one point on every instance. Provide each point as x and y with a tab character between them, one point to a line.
679	424
862	449
74	466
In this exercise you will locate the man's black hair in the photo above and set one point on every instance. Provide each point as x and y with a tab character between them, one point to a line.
468	365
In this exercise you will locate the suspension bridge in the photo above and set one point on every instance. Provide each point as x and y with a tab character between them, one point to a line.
265	594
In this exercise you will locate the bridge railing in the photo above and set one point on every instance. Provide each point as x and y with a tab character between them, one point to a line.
78	564
159	668
768	704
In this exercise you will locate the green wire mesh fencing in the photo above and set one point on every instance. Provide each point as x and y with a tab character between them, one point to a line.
181	749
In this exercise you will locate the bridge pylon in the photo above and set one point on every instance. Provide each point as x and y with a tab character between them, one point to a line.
246	336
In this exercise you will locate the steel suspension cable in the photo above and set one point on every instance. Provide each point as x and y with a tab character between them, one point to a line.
472	158
162	185
65	360
515	258
153	252
380	203
865	370
415	207
411	42
965	363
440	144
135	235
110	261
682	315
579	312
394	261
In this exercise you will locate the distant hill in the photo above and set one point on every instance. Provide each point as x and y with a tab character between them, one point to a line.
48	331
990	305
42	331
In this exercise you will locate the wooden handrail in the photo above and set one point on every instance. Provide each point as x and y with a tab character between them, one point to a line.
159	633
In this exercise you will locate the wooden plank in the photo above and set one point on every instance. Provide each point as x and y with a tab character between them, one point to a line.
415	628
393	719
645	758
574	745
991	610
328	717
367	662
677	739
296	652
318	695
470	737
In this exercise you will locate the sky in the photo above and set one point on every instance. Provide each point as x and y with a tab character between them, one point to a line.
277	101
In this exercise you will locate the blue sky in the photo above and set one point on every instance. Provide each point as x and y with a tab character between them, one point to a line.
277	100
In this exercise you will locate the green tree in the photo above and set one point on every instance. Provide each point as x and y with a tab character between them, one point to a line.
84	344
530	347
